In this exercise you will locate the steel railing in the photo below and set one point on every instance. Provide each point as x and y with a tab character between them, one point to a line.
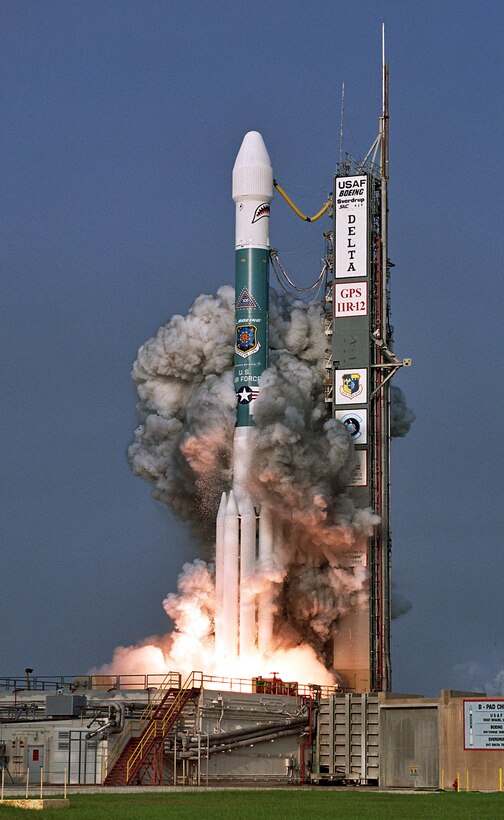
157	728
152	682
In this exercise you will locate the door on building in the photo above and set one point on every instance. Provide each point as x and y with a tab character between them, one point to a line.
35	761
409	742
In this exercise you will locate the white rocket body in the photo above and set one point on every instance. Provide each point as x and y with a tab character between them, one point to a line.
244	556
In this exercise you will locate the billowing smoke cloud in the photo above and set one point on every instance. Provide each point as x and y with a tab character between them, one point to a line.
300	469
187	406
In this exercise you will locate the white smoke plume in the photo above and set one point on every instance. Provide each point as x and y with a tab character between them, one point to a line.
191	645
300	470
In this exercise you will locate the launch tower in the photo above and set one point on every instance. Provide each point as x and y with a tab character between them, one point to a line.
362	365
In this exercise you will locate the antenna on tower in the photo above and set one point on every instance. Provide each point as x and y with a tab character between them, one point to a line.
385	113
383	68
384	157
341	122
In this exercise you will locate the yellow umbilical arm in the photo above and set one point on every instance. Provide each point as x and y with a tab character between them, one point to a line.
296	209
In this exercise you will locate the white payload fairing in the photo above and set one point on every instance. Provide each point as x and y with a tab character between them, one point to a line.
244	557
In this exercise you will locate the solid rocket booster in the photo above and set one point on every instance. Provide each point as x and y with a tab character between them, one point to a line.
238	529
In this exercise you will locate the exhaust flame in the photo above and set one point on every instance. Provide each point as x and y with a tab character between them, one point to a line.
299	471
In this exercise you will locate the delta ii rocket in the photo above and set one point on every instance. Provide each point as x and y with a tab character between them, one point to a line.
245	537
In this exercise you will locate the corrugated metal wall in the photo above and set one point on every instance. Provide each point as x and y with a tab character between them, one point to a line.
347	747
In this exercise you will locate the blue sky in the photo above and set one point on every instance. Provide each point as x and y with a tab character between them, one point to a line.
120	125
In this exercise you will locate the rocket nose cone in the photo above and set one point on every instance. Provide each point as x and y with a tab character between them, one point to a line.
252	172
252	153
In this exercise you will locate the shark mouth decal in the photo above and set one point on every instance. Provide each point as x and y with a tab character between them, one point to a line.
261	211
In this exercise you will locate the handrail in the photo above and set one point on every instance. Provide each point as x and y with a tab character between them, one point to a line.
171	681
122	741
104	682
246	685
150	682
158	727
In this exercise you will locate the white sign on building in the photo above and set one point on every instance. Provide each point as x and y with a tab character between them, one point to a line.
351	252
356	423
350	300
350	386
484	724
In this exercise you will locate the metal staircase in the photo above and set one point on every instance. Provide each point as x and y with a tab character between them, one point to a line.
142	756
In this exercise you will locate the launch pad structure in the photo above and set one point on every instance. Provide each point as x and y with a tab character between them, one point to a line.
135	730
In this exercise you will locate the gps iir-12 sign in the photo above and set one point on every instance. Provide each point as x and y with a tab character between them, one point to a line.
350	299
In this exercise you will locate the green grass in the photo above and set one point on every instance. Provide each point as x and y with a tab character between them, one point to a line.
272	805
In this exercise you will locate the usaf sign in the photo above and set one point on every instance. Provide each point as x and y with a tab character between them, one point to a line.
351	224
